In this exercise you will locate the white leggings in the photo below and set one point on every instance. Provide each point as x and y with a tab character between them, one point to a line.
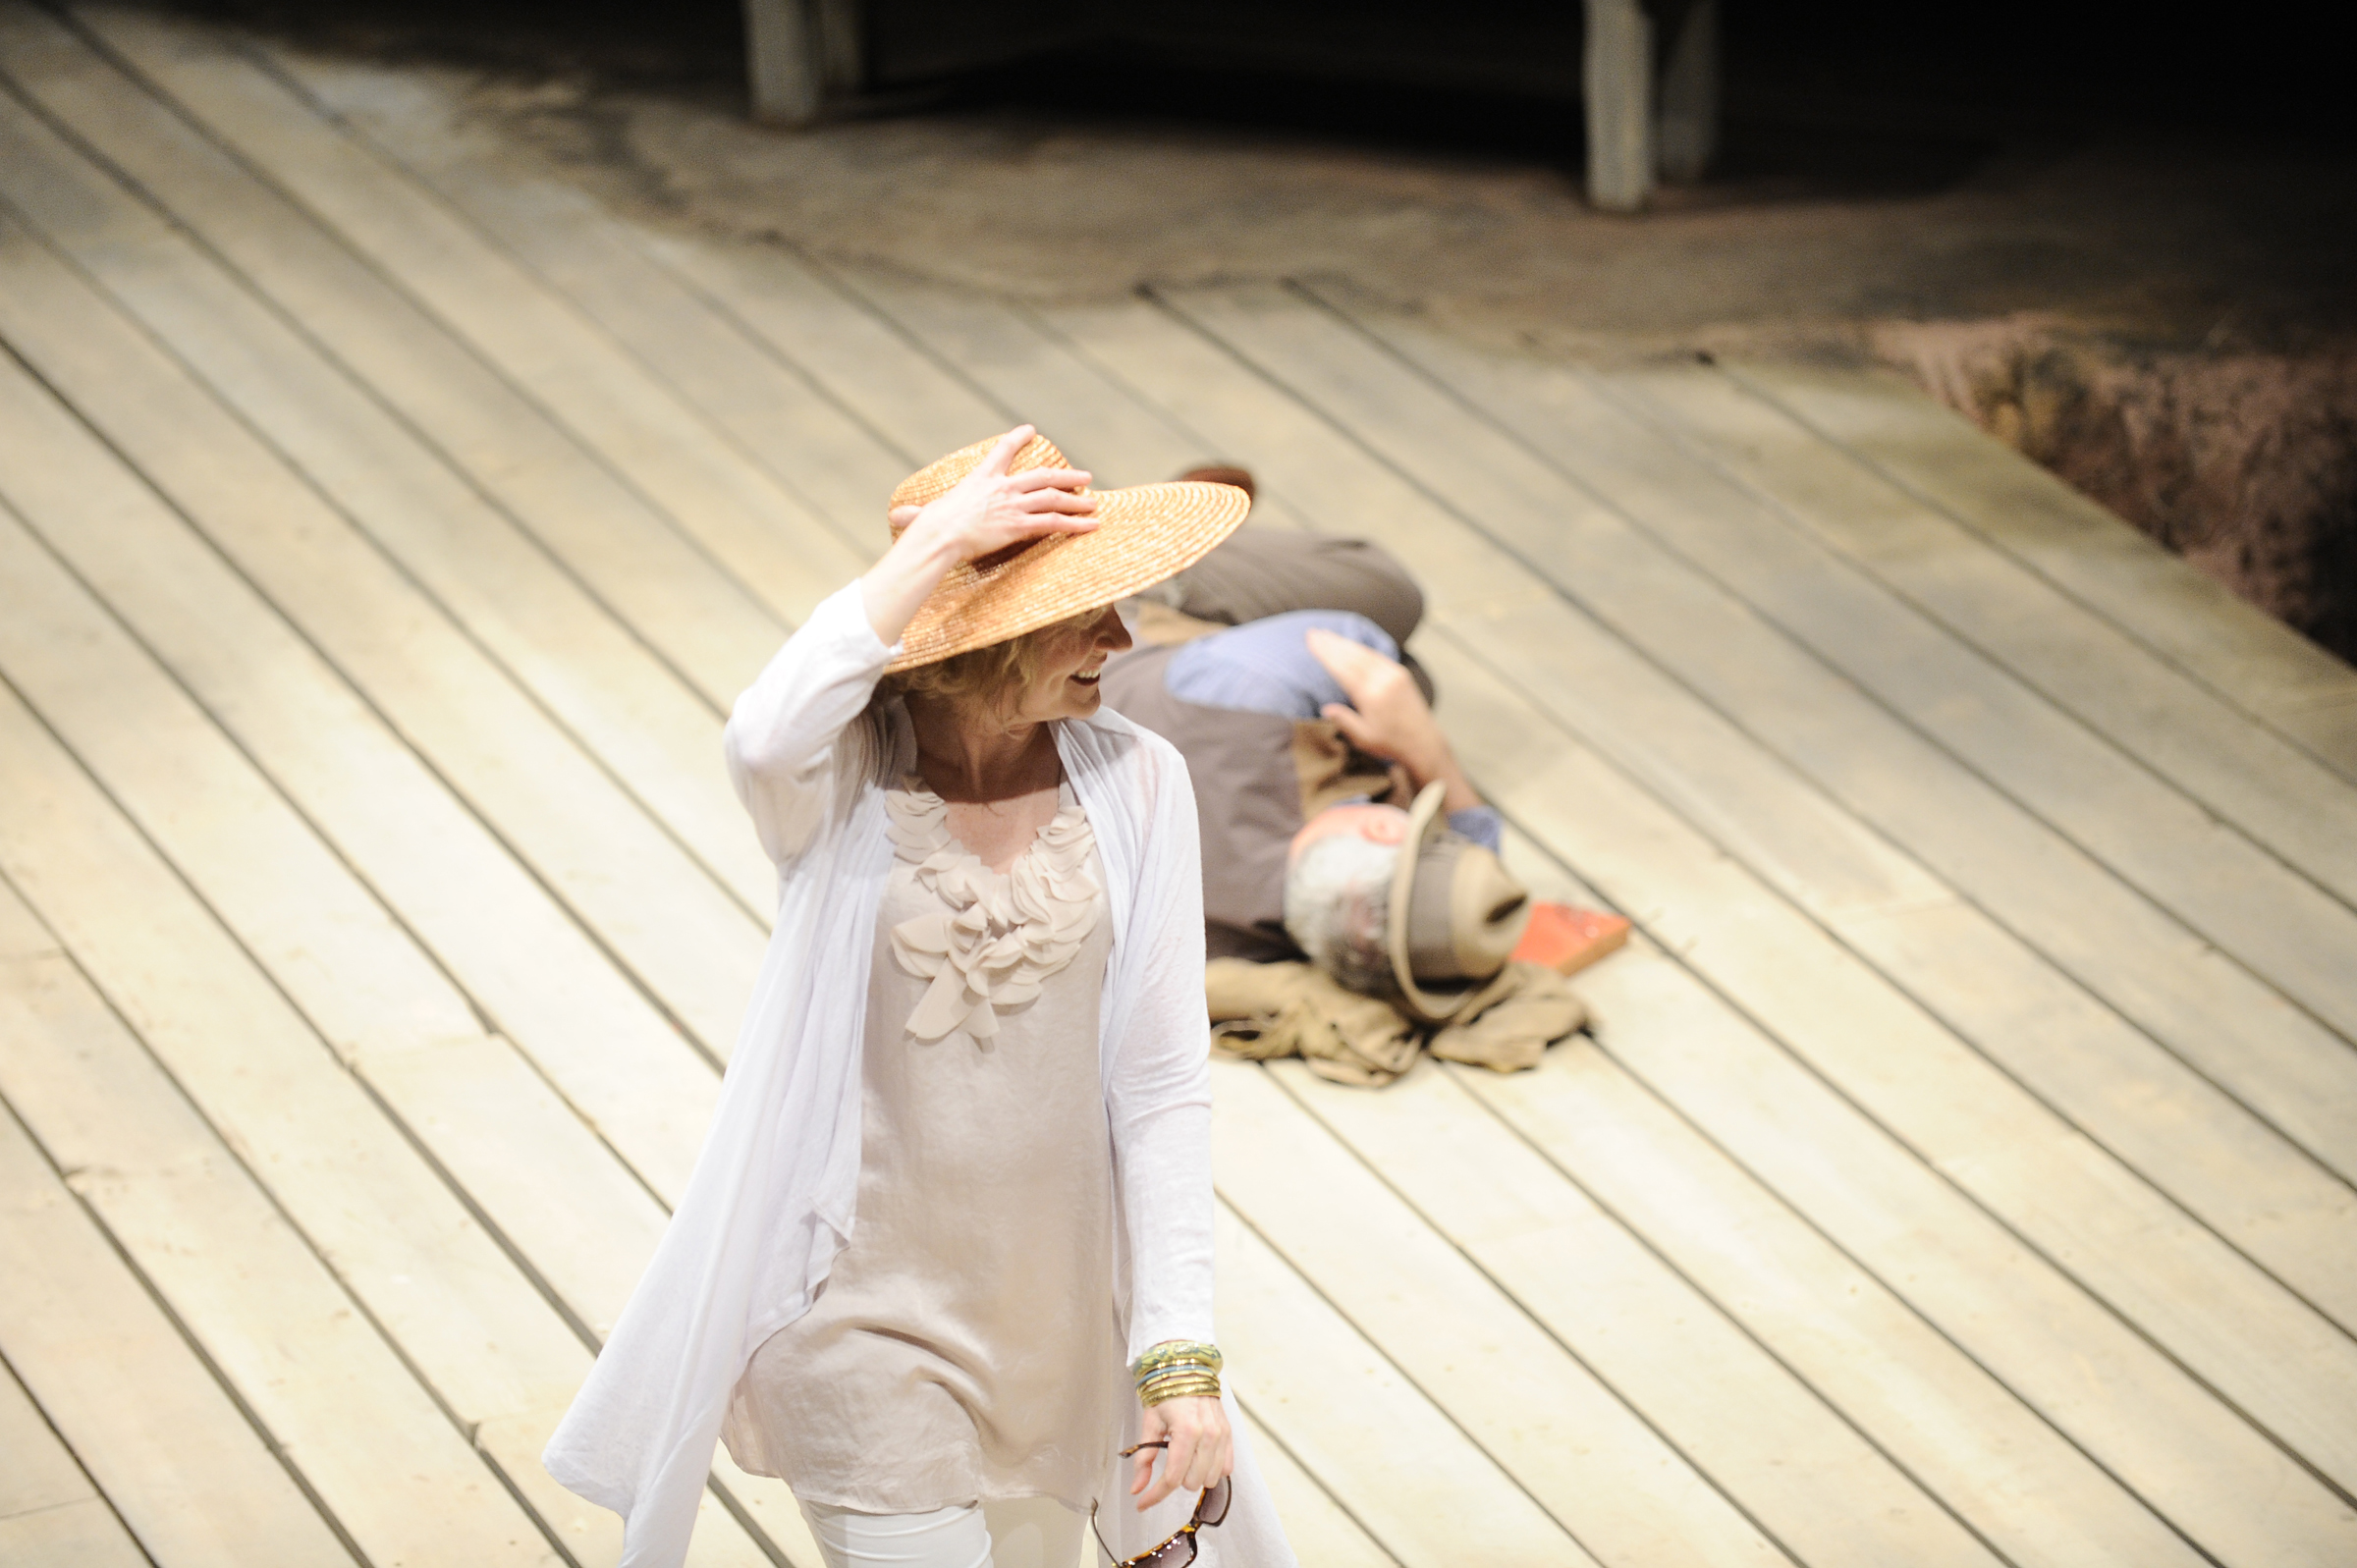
1024	1533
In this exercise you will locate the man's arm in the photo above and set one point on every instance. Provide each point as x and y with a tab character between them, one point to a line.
1388	717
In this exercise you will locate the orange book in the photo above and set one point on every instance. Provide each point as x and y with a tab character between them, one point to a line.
1567	939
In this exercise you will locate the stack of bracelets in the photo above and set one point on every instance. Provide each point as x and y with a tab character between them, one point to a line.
1182	1369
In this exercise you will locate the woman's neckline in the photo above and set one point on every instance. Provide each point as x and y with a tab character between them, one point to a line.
930	800
1038	756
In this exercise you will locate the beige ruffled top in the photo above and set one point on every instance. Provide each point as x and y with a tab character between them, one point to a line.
997	934
965	1345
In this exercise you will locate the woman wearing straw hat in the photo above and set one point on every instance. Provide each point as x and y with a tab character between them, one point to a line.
947	1252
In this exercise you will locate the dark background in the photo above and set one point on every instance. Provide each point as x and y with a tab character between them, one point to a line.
1500	75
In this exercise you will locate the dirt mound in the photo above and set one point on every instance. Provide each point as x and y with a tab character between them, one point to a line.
2244	461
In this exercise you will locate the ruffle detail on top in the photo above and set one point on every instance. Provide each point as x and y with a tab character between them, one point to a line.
1000	932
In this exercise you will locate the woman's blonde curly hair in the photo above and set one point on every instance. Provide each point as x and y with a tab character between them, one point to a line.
991	678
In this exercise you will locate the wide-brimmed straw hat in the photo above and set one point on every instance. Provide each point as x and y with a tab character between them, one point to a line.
1145	533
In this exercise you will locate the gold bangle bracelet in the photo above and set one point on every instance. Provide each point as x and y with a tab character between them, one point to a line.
1204	1387
1175	1351
1180	1369
1175	1363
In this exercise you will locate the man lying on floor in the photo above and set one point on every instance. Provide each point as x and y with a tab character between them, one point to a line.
1355	907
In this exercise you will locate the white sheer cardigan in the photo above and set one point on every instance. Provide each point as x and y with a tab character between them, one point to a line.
772	1196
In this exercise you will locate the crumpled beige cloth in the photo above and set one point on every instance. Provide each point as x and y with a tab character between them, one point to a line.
1261	1010
1508	1026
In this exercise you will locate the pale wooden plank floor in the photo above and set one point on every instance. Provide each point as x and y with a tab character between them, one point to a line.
1958	1170
2246	657
49	1512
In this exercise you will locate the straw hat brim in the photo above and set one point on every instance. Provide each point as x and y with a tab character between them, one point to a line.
1424	821
1144	534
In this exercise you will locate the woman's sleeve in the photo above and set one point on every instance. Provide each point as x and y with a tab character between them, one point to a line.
1160	1092
792	732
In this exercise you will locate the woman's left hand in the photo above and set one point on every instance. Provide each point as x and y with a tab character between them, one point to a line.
1201	1448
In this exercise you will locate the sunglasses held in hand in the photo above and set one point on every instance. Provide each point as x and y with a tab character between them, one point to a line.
1179	1550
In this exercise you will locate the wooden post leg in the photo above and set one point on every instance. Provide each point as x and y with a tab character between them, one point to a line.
1617	75
1688	132
842	47
783	57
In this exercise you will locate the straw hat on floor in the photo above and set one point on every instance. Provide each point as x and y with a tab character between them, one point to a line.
1145	533
1424	920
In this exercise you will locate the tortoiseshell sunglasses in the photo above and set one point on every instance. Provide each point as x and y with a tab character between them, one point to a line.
1179	1550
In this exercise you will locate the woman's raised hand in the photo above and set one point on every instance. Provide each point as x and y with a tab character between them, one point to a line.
984	513
991	508
1201	1449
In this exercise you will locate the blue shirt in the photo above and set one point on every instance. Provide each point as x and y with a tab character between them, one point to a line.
1266	666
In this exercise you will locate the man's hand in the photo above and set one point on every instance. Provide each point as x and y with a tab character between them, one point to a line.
1388	717
1201	1448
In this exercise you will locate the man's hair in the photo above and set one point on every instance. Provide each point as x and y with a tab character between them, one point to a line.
1338	908
991	677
